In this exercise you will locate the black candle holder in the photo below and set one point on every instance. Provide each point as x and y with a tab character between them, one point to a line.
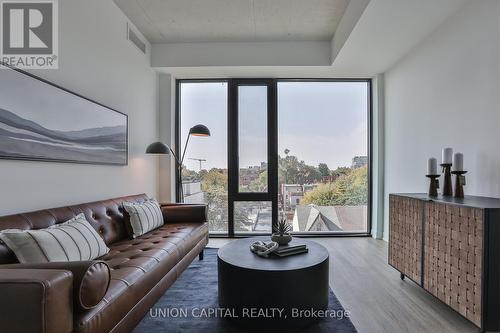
434	185
447	187
459	183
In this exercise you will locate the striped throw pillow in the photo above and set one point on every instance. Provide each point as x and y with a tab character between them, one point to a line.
74	240
144	216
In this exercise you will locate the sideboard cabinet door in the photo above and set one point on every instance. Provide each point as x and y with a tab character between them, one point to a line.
453	250
405	236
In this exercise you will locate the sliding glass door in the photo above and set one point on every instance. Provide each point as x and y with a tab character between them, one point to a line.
293	148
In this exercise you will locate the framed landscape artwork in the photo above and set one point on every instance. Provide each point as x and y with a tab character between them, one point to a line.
44	122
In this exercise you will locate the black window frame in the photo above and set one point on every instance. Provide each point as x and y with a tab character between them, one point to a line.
232	149
234	194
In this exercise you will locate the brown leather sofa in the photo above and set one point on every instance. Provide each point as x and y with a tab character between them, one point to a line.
110	294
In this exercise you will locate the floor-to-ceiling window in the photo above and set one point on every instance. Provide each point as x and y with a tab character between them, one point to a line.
297	149
204	176
323	129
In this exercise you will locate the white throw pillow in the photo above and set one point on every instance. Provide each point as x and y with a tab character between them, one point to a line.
144	216
74	240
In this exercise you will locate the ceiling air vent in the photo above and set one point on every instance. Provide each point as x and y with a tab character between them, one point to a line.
135	39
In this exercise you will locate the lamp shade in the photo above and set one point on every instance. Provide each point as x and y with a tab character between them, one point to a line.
158	148
199	130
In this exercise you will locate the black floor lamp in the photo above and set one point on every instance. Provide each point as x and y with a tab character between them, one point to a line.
160	148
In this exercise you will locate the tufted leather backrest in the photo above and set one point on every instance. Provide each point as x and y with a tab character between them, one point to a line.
105	216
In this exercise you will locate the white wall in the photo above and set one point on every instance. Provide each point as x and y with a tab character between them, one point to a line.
446	92
306	53
378	158
166	88
96	61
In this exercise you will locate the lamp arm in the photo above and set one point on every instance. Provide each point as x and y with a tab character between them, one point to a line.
185	148
181	190
174	155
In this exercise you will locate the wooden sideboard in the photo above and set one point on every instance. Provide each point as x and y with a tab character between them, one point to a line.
451	248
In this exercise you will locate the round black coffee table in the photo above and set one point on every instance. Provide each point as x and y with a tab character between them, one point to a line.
272	292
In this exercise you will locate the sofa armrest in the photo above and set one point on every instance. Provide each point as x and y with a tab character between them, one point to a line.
175	213
36	301
90	279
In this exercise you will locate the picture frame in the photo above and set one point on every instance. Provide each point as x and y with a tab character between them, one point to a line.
42	121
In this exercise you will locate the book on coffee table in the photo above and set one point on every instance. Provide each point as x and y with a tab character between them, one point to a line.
292	252
294	245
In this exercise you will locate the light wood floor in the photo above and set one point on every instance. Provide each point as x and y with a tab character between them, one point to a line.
378	300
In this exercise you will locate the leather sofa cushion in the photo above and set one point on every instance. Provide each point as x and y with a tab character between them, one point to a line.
91	279
137	266
175	213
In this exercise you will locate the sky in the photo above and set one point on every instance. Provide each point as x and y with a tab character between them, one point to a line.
319	122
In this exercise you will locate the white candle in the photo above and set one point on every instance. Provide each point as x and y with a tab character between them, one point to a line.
447	155
432	166
458	162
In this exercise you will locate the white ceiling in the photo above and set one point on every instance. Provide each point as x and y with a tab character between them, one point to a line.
388	30
185	21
